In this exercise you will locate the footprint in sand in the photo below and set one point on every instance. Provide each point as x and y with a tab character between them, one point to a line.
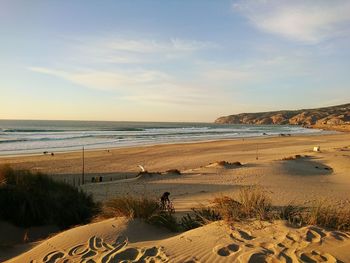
339	235
293	237
194	260
227	250
53	257
245	235
240	234
316	256
314	235
259	255
96	250
257	258
284	257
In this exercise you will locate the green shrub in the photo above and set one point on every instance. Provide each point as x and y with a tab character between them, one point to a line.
32	199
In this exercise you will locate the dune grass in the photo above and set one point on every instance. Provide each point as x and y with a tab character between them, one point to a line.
32	199
199	217
323	214
173	171
326	215
226	163
146	208
252	203
290	158
131	207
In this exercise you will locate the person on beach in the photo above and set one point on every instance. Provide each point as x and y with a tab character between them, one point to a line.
164	200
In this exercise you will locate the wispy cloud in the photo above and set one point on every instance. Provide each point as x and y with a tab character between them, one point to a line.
153	46
142	86
109	80
131	67
306	21
119	50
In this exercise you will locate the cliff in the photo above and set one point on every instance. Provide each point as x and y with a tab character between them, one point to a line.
334	118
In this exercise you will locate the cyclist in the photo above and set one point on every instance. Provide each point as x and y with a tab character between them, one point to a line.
164	200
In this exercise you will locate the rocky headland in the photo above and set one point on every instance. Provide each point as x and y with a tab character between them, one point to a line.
330	118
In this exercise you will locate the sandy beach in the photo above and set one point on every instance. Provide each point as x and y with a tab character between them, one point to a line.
297	180
313	176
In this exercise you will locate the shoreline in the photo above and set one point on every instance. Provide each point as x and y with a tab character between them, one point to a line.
175	155
319	132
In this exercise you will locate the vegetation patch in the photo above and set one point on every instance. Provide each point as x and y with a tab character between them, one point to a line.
33	199
146	208
321	214
173	171
199	217
252	203
129	206
294	157
146	174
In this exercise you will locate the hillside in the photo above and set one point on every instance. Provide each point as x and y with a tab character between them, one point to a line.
334	117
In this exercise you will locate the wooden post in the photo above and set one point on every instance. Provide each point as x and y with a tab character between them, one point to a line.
83	174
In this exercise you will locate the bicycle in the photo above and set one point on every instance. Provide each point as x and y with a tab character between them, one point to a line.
167	206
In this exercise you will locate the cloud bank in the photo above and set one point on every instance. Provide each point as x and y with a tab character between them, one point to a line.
305	21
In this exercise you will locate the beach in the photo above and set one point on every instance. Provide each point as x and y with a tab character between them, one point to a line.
286	167
262	159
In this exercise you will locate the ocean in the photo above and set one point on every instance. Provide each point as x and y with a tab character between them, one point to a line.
31	137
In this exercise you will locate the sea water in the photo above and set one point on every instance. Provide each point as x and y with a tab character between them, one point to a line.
30	137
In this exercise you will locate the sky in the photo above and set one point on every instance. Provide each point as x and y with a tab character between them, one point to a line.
159	60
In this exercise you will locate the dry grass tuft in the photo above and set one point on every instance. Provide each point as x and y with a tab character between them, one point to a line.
148	209
225	163
252	203
173	171
326	215
290	158
129	206
321	214
200	216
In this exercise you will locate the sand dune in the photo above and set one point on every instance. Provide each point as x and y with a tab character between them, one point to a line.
116	240
107	241
259	242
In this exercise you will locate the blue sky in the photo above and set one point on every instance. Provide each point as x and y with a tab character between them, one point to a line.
170	60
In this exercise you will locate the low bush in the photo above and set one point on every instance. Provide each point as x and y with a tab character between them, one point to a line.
32	199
